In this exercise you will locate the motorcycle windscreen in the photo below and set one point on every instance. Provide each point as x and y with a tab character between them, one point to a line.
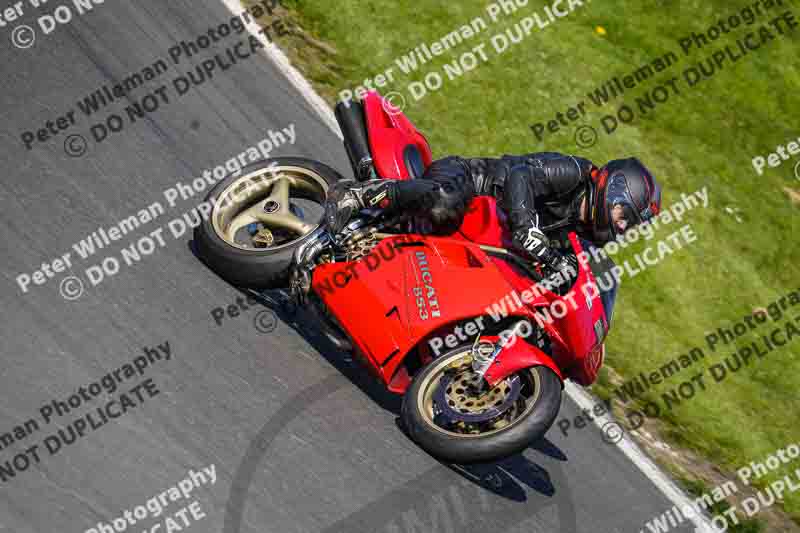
607	282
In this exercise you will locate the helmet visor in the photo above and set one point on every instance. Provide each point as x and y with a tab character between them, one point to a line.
622	212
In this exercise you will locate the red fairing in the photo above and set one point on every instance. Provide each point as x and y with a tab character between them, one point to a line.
482	223
412	288
588	326
578	335
390	133
575	323
591	366
405	291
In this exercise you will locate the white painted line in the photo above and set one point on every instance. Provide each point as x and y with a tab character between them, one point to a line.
577	394
632	451
279	58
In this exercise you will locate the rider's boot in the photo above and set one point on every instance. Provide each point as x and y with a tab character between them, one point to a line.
374	194
347	197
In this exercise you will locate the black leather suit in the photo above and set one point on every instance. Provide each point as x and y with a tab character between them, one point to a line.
543	189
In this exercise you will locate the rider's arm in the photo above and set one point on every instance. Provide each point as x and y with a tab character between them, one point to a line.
559	174
442	195
555	175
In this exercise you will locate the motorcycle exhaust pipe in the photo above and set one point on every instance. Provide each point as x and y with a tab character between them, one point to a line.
352	122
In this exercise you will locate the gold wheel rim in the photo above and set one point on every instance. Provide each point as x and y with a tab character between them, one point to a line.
264	197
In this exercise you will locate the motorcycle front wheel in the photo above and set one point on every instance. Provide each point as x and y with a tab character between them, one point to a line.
260	217
448	418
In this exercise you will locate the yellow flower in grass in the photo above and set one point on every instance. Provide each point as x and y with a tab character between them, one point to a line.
599	30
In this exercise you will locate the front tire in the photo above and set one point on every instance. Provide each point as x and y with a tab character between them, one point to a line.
260	217
525	421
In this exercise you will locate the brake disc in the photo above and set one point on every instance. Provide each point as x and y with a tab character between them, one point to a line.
456	401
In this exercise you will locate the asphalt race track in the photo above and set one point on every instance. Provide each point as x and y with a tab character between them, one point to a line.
299	437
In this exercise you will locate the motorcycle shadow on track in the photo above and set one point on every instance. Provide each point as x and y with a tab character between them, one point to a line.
308	325
507	477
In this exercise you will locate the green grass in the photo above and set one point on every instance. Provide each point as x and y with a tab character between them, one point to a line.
704	137
696	489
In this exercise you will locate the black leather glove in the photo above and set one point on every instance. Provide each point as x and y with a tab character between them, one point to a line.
536	243
564	264
564	270
532	241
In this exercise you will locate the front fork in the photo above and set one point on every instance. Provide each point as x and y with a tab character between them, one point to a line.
486	352
483	355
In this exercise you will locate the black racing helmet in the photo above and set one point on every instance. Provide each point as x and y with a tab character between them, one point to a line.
625	195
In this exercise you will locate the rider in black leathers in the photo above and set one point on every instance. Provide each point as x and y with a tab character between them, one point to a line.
545	195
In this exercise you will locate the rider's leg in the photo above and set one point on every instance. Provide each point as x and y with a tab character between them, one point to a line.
519	195
442	195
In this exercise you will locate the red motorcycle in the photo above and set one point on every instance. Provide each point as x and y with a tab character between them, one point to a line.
477	339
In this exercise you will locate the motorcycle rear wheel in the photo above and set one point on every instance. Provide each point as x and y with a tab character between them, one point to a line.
527	420
260	217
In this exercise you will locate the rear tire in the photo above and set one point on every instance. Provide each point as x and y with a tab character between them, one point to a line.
255	268
531	425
